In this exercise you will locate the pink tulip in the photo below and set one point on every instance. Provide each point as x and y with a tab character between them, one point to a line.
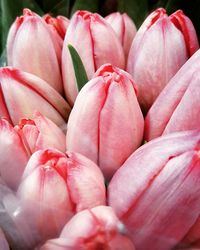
14	155
96	228
124	28
106	123
31	47
156	192
55	186
177	108
40	133
58	24
96	44
22	141
161	46
21	94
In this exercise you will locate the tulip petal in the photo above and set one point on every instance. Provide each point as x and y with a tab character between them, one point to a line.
187	116
104	38
161	112
13	155
183	23
51	136
85	182
84	139
120	112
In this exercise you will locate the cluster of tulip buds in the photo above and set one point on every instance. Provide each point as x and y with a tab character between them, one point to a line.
100	133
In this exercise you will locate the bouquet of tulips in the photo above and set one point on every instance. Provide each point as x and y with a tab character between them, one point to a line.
100	133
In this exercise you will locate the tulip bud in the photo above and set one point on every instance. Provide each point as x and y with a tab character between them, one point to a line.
99	44
29	38
96	228
41	133
124	28
13	155
55	186
19	143
177	108
105	107
156	192
58	24
161	46
21	94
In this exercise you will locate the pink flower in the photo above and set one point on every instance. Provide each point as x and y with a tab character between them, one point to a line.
161	46
31	47
96	228
177	108
106	123
58	24
21	141
21	94
96	44
124	28
55	186
156	192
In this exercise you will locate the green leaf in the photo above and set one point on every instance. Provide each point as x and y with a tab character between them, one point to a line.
80	73
56	7
136	9
90	5
3	61
9	10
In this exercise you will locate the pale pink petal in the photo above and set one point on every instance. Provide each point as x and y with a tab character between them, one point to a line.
82	130
161	111
14	156
106	45
33	51
85	182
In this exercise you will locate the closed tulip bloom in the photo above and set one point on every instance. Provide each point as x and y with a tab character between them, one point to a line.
21	94
177	108
58	24
14	155
31	47
156	192
55	186
96	44
106	123
40	133
21	141
124	28
161	46
96	228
